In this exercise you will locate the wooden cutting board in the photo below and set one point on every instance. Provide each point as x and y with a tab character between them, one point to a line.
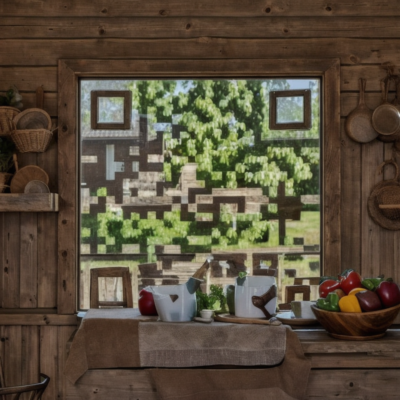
238	320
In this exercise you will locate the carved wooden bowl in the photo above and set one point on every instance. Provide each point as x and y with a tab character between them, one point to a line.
356	326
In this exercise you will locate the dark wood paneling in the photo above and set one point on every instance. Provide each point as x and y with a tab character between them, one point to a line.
36	52
229	8
13	355
372	157
27	79
191	27
11	260
351	173
49	359
28	261
30	354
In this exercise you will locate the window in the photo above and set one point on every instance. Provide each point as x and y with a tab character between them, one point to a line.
208	177
168	170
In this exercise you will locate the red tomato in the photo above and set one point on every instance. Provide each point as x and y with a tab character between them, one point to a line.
146	303
349	280
328	286
389	293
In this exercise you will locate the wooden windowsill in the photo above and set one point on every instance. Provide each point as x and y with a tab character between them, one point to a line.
29	202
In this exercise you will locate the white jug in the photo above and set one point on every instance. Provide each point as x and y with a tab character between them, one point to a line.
248	287
176	303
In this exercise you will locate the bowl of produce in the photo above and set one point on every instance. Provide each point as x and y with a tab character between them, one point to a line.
357	309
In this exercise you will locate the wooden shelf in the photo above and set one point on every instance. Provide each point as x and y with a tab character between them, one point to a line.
31	202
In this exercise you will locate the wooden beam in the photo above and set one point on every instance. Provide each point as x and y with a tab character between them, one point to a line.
38	319
222	8
67	178
193	27
44	52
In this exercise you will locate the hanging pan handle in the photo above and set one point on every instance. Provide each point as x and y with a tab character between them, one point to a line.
387	162
15	162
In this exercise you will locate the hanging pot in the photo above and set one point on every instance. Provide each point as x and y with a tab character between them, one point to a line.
386	117
359	122
384	200
396	136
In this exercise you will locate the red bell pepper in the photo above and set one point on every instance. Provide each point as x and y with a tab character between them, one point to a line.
328	286
349	280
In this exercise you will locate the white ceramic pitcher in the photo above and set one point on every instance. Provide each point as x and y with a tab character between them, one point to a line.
248	287
176	303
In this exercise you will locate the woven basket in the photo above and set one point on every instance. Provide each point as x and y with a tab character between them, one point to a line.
386	196
31	140
4	178
7	115
386	193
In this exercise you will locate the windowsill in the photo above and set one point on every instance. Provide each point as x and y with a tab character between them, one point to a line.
28	202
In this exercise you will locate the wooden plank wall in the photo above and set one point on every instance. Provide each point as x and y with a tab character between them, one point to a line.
35	34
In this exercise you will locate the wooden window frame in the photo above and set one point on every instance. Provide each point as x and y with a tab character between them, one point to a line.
94	108
69	73
273	107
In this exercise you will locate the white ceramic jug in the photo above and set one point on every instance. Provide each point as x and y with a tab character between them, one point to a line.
176	303
248	287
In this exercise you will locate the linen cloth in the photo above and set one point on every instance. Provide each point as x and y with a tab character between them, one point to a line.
192	344
122	338
287	381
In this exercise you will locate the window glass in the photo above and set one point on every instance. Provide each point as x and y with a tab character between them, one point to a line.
110	109
199	172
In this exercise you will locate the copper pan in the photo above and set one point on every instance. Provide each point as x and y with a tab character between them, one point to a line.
386	117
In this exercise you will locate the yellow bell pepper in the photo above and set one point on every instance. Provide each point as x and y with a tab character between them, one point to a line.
356	290
349	304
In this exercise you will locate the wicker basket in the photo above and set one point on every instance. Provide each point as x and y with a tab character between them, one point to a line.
7	115
386	196
31	140
4	179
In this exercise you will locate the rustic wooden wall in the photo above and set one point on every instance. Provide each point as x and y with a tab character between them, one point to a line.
36	34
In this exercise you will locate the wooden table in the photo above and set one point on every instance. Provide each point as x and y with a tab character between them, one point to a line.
350	370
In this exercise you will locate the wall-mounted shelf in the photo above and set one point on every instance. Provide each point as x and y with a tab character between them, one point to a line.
29	202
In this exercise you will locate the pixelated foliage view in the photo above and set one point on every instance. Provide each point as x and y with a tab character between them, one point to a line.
200	172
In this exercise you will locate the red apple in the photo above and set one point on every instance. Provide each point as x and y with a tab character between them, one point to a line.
146	303
389	293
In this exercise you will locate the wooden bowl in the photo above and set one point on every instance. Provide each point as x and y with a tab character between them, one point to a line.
356	326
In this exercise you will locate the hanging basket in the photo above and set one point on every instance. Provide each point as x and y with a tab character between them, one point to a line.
7	115
31	140
4	179
384	200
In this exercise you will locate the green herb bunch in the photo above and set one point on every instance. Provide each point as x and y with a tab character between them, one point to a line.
11	98
7	149
216	300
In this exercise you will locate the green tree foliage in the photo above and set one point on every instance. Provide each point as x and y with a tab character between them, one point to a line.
225	131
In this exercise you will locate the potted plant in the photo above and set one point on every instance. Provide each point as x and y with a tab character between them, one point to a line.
208	304
10	106
7	149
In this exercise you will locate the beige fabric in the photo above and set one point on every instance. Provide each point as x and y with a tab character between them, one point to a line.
287	381
107	338
110	339
191	344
